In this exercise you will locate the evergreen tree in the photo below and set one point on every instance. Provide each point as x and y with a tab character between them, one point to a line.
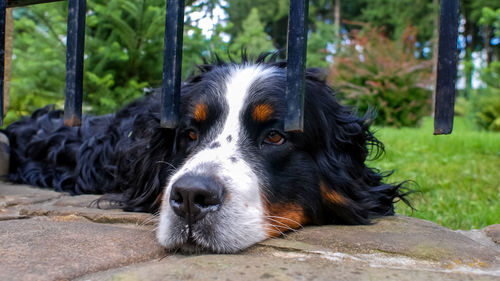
396	15
273	15
39	48
253	38
320	44
123	54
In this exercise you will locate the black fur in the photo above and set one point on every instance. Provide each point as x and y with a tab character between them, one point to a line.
129	157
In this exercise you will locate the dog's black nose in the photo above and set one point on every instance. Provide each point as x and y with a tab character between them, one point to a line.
192	197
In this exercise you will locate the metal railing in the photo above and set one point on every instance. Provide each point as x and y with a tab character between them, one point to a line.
296	62
446	68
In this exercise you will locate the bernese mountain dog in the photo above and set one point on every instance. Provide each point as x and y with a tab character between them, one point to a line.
228	176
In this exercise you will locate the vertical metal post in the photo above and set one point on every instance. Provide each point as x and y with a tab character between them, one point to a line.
172	61
74	62
3	13
296	65
447	67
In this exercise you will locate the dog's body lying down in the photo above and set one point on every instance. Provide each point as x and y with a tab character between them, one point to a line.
228	176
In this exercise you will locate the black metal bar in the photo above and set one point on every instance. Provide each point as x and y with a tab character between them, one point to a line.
20	3
296	65
172	61
74	62
3	14
447	67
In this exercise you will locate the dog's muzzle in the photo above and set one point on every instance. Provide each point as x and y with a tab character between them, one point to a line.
192	197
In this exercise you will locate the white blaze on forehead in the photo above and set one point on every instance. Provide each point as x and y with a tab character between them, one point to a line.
237	89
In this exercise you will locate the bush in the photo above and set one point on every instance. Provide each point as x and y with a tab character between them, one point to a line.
373	71
487	101
462	106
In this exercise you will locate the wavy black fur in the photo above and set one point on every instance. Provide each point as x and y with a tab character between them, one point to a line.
129	157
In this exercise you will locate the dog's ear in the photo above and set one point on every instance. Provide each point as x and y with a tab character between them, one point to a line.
339	143
143	159
144	170
150	157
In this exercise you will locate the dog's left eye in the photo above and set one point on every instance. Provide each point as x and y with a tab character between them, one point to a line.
274	138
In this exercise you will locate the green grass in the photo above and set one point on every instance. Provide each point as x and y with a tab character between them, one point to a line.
457	175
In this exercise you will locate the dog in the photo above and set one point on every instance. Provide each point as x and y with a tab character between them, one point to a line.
228	176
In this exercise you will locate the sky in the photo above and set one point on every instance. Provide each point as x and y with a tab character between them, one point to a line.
206	21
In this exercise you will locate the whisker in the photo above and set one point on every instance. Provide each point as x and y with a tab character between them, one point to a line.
153	218
285	227
282	225
167	163
294	221
148	220
274	228
277	229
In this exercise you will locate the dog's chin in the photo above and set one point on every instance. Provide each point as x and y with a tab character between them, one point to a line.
190	247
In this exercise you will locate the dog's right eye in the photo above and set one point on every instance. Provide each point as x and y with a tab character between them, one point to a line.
192	135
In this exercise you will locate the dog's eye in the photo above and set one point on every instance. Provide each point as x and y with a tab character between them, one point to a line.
274	138
192	135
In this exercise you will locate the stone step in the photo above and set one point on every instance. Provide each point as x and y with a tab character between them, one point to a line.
45	235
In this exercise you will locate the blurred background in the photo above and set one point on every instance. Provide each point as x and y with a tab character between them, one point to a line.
378	53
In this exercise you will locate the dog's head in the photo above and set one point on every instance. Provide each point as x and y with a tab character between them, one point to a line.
244	179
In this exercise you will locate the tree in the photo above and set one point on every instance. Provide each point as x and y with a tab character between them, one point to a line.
253	38
396	15
38	68
123	43
123	54
471	10
337	17
476	11
490	21
273	15
319	45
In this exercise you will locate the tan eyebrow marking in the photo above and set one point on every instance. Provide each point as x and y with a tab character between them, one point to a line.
200	112
262	112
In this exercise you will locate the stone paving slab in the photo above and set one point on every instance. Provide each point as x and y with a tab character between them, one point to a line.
14	195
399	235
264	263
485	236
47	249
23	201
10	214
493	232
45	235
92	214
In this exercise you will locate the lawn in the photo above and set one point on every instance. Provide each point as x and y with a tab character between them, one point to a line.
457	176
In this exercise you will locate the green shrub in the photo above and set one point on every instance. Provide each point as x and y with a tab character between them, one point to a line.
373	71
487	104
462	106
